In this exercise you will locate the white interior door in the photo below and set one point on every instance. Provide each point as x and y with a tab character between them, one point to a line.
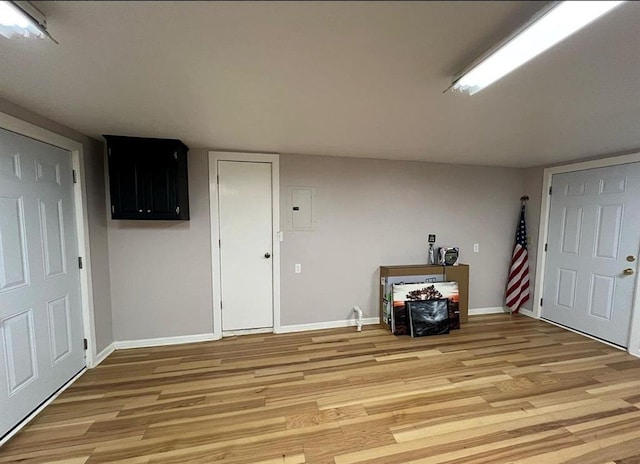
41	334
592	251
246	236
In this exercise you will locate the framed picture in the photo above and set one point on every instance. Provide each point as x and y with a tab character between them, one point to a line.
403	293
388	283
428	317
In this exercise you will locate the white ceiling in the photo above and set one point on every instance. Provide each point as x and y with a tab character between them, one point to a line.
361	79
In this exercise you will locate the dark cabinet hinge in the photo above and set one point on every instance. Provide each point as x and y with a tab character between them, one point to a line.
86	344
540	301
550	189
80	264
545	246
75	176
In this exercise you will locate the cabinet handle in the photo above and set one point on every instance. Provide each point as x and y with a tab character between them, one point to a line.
148	211
139	210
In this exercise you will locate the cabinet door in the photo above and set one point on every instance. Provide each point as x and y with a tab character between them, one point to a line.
159	184
125	185
148	178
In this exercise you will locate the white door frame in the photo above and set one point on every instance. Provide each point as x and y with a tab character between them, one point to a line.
32	131
634	331
214	157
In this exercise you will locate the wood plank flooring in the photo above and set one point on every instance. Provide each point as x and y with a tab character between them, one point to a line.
500	390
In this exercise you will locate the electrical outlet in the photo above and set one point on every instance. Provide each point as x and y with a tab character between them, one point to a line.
298	268
476	247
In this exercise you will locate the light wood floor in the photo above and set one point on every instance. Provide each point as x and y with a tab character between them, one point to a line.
497	391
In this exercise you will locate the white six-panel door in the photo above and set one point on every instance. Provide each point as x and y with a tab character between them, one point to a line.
245	221
41	334
592	251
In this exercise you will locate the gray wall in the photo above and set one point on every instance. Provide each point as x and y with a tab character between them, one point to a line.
377	212
369	212
161	270
93	152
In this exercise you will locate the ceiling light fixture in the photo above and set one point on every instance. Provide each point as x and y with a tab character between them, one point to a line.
22	19
548	27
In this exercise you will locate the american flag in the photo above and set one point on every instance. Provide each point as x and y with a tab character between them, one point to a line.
518	284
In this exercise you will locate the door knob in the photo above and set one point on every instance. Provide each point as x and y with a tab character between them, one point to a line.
631	258
267	255
628	271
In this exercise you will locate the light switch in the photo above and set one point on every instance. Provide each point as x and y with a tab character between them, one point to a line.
298	268
476	247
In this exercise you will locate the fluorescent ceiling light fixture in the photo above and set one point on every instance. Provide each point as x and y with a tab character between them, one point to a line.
543	31
22	19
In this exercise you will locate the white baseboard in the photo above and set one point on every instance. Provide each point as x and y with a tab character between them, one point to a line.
527	312
151	342
161	341
103	354
499	310
31	416
327	325
492	310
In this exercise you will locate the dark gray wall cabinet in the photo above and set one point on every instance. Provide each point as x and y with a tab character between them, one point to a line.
148	178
